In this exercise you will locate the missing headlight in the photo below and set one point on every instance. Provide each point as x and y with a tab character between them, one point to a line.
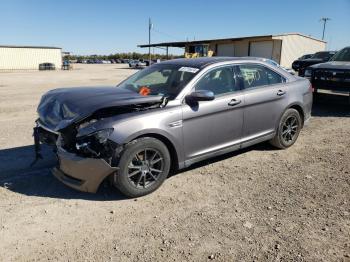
96	144
103	135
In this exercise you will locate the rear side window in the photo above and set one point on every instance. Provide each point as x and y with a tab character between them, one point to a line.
258	75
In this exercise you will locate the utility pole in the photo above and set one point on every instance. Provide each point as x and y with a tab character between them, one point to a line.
149	40
324	20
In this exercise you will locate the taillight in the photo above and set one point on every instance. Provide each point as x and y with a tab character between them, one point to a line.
311	89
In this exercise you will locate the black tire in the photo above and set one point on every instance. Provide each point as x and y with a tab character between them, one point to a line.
288	129
137	156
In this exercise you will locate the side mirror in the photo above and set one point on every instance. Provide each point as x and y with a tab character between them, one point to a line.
201	95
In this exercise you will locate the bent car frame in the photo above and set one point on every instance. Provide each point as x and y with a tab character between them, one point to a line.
167	117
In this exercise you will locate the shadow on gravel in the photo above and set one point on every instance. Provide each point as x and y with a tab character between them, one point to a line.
14	161
41	183
326	105
264	146
18	176
38	180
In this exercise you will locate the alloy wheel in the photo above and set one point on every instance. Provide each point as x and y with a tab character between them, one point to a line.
290	129
145	168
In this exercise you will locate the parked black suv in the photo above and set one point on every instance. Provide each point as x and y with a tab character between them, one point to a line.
295	64
319	57
333	75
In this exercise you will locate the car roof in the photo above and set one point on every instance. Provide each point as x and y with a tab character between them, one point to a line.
325	52
206	61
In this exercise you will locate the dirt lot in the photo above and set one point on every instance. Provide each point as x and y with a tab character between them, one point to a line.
258	204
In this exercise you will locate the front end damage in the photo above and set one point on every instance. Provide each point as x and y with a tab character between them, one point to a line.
85	159
83	163
83	174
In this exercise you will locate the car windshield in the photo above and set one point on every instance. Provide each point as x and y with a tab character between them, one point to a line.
322	55
160	79
342	55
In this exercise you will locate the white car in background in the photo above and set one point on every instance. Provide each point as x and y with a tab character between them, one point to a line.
137	64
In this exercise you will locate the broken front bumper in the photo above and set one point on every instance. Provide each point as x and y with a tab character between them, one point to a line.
83	174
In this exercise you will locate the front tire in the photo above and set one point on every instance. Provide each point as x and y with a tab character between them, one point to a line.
143	166
288	129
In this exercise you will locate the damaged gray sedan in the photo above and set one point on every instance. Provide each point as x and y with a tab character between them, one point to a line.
167	117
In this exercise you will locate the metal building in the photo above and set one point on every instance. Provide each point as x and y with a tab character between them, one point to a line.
28	57
283	48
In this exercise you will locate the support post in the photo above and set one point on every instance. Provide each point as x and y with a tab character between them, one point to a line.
149	40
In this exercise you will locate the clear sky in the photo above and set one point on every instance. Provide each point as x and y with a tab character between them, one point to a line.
107	26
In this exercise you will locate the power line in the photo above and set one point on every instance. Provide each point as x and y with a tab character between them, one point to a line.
165	34
152	29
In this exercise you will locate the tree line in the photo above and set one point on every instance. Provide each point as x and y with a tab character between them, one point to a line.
131	55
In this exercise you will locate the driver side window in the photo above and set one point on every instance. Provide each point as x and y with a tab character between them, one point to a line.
219	81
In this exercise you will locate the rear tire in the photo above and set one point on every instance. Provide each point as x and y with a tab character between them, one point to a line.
144	164
288	129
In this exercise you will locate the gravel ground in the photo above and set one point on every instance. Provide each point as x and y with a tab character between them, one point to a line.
257	204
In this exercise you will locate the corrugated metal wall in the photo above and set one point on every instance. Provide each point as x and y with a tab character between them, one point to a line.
286	48
294	46
28	58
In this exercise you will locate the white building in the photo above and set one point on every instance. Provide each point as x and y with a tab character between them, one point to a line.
283	48
29	57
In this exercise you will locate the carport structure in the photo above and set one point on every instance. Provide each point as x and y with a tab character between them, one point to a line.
283	48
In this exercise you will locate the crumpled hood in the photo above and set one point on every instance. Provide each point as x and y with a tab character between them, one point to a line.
333	65
61	107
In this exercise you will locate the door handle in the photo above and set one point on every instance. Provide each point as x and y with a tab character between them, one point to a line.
234	102
281	93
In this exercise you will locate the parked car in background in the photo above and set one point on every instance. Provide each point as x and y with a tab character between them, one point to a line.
168	116
148	63
137	64
132	63
295	64
333	75
319	57
47	66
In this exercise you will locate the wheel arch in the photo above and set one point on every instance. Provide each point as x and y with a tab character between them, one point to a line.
300	110
171	147
295	106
